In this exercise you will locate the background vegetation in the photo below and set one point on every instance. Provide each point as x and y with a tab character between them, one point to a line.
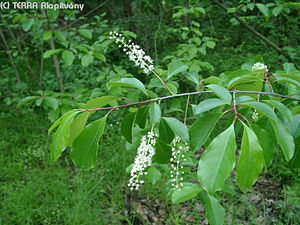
64	58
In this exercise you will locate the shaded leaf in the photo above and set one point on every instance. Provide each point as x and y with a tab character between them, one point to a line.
85	33
68	57
263	108
154	112
153	175
141	116
251	160
165	132
130	82
85	146
176	67
127	126
163	152
178	128
201	129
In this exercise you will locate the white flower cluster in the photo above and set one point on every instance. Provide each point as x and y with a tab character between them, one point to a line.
143	159
134	52
260	66
255	115
178	151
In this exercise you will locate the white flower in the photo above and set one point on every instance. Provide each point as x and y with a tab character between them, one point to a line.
134	52
259	66
178	150
143	159
255	115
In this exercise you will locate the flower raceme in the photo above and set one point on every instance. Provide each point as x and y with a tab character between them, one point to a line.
134	52
259	66
178	150
143	159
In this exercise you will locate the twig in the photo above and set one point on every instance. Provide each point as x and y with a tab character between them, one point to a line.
187	94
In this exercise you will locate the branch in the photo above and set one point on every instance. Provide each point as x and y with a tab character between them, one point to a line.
187	94
259	35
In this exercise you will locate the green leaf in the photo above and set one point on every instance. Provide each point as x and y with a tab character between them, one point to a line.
176	67
281	108
27	24
221	92
100	101
163	152
289	67
266	142
193	76
201	129
129	34
60	35
212	80
246	79
217	161
77	126
49	53
60	138
55	124
211	44
294	76
208	104
165	132
153	175
127	126
68	57
295	161
26	100
100	56
87	60
187	192
154	112
130	82
284	139
85	33
85	146
251	159
52	102
263	108
263	9
288	80
141	116
215	213
178	128
47	35
277	10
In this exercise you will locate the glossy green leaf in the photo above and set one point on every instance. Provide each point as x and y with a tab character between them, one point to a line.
68	57
208	104
176	67
211	44
100	101
52	102
77	126
165	132
295	126
215	213
55	124
154	113
212	80
263	108
60	138
130	82
193	76
217	161
27	24
263	9
246	79
26	100
221	92
201	129
85	146
163	152
284	139
294	76
127	126
281	108
153	175
187	192
87	60
49	53
288	80
85	33
47	35
266	142
251	159
141	116
178	128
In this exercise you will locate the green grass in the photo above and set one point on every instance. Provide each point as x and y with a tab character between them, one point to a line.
35	190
